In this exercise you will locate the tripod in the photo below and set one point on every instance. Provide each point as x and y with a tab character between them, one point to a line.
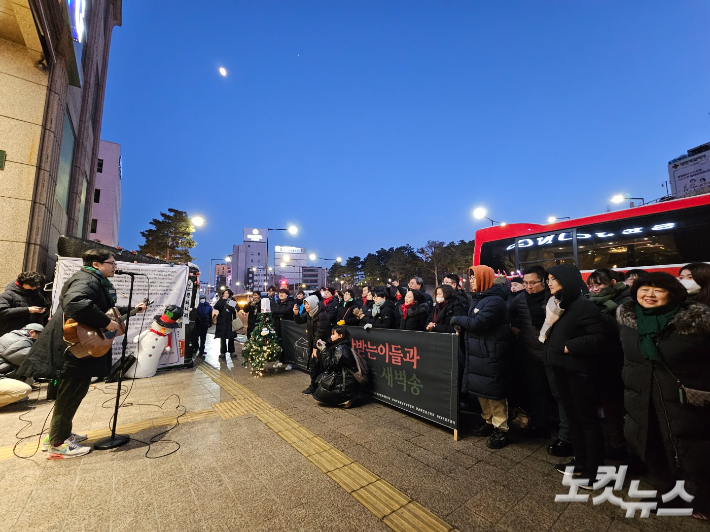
117	440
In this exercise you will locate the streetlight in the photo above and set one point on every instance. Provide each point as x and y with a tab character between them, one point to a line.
292	229
226	259
620	198
479	213
197	221
553	219
313	256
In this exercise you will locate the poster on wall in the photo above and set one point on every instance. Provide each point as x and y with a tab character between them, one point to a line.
163	284
690	175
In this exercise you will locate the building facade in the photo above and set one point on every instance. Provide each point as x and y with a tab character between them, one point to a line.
313	277
53	66
106	212
289	262
249	261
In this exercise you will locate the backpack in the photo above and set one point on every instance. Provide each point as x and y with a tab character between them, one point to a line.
361	376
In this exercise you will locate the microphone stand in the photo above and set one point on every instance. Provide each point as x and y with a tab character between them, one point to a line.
117	440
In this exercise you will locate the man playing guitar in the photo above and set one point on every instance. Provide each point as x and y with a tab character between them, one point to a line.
86	297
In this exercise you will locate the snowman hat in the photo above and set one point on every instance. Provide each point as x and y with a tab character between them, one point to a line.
171	315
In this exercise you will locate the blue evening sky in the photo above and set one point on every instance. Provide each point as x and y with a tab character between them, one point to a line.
379	123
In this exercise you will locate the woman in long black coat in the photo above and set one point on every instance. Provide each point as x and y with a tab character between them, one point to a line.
574	338
318	328
665	344
227	309
489	348
345	314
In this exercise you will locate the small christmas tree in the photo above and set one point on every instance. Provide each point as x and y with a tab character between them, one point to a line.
262	346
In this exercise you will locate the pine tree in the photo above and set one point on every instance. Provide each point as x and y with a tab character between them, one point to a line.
170	238
262	346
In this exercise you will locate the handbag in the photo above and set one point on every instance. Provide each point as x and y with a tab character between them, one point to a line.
326	381
689	396
237	324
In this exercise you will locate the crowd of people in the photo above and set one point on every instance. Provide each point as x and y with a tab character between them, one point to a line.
614	367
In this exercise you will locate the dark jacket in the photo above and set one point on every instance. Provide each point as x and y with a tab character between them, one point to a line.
442	314
489	344
417	317
331	310
85	300
385	318
227	313
345	313
282	310
683	347
14	308
252	310
581	328
317	328
521	317
203	316
366	307
14	347
338	361
462	298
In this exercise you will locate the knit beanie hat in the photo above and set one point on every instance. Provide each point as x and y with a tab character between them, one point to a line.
485	276
517	280
312	302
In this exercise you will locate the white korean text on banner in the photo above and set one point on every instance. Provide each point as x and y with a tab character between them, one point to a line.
163	284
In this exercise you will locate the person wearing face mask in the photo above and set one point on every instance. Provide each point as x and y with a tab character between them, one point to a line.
346	309
383	312
203	321
605	292
446	306
695	277
574	338
665	340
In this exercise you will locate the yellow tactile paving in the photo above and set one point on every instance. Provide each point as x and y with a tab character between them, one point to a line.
381	498
385	501
415	518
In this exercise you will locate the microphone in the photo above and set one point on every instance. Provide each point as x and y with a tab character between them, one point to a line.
124	272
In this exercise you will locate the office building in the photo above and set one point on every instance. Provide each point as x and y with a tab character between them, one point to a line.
106	214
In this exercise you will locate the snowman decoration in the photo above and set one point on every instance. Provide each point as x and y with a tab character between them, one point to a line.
152	343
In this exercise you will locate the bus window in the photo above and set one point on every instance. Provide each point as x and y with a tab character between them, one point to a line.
546	250
655	240
498	256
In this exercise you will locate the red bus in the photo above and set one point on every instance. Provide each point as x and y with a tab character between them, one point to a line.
659	236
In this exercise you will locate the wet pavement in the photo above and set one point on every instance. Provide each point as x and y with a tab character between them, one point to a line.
255	454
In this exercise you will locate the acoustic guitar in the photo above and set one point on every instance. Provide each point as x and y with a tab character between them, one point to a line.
85	341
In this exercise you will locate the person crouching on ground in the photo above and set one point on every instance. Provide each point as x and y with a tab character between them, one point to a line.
489	347
336	385
318	327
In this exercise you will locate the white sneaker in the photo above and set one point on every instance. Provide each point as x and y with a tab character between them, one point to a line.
74	438
288	367
66	450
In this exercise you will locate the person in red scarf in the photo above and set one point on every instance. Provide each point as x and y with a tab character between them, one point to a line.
414	311
331	305
446	306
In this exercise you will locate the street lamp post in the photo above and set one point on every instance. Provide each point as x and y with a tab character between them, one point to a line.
479	213
312	256
226	259
553	219
619	198
292	229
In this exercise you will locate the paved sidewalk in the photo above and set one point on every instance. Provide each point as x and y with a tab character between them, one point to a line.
268	458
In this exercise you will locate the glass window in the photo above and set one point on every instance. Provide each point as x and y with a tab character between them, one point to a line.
546	249
93	225
97	195
499	255
100	166
66	162
82	207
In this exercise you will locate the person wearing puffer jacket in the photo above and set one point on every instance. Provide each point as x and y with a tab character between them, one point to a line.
574	340
318	328
665	340
336	385
414	311
16	345
489	348
446	306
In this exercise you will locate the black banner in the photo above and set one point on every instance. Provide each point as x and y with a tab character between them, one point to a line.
414	371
